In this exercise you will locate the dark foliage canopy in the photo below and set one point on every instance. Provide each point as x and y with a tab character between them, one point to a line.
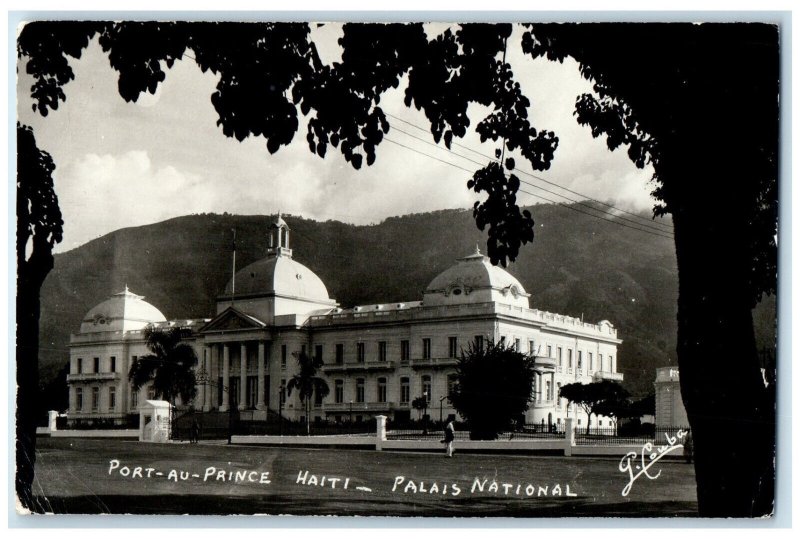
596	396
306	381
269	71
494	387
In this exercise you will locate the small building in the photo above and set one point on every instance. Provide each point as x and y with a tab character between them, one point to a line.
376	358
669	403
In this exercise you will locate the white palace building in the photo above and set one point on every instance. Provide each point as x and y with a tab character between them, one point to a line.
377	358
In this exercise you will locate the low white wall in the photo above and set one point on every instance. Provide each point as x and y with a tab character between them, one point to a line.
365	441
497	445
605	450
121	433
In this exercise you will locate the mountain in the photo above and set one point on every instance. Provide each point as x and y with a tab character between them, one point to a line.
577	265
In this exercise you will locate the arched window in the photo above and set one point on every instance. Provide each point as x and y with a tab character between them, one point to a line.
405	390
426	387
359	390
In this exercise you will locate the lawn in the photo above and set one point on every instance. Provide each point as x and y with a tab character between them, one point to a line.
113	476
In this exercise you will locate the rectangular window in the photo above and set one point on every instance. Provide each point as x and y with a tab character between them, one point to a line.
580	360
381	389
558	356
361	353
359	390
96	364
549	391
318	353
517	345
549	351
113	364
283	356
112	399
591	362
339	353
600	361
338	392
80	365
405	390
382	351
479	342
503	341
569	358
531	347
452	347
134	399
426	348
95	398
404	351
78	399
611	363
283	391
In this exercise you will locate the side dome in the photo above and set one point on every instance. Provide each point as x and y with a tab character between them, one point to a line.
475	280
278	275
124	311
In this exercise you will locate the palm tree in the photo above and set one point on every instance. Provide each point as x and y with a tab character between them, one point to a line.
308	383
169	366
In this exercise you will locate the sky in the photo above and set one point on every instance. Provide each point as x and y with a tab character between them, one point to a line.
124	164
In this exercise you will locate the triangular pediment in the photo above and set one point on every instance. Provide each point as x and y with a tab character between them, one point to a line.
232	319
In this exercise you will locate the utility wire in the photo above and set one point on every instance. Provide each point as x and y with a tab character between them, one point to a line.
614	221
581	203
651	223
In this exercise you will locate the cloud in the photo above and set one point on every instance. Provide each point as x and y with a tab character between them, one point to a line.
101	193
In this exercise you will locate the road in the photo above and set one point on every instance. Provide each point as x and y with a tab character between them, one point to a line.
114	476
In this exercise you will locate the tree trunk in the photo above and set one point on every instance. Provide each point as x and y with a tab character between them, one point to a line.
728	407
31	275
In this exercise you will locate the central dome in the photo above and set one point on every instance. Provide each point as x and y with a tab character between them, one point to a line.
475	280
278	275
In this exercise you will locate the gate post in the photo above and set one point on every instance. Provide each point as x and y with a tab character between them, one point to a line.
380	434
569	436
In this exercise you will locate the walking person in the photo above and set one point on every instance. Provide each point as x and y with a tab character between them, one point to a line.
194	436
449	436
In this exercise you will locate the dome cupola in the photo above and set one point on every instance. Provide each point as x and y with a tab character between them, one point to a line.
475	280
124	311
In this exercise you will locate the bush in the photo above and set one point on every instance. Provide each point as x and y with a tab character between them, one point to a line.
494	387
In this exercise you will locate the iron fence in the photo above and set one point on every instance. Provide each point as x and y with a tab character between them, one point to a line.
612	436
462	432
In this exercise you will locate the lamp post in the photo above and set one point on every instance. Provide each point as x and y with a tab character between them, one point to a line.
425	413
203	378
281	398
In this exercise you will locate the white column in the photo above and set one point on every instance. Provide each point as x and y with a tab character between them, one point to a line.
539	386
242	376
261	376
226	375
211	387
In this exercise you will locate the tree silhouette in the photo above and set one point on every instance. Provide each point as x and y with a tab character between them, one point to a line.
38	230
169	365
700	104
308	384
495	385
595	398
697	102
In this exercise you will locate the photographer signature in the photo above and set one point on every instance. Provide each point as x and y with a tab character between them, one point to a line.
649	457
